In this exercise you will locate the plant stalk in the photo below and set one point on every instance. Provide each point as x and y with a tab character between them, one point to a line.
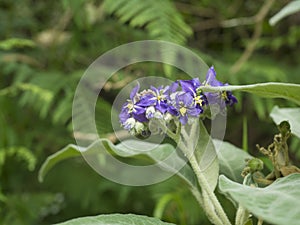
221	215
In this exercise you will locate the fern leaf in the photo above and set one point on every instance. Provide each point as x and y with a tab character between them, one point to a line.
160	18
20	153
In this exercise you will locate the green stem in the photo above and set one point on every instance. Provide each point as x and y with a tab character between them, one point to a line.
260	222
221	215
241	216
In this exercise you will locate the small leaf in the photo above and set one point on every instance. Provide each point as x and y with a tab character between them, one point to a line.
231	160
292	115
278	203
267	90
115	219
287	10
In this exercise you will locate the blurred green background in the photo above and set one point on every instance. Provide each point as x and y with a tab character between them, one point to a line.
45	47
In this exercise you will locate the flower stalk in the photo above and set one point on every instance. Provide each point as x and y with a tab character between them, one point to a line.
219	215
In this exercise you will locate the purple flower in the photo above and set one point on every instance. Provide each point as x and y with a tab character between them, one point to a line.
184	103
229	98
181	100
224	98
156	97
192	87
132	109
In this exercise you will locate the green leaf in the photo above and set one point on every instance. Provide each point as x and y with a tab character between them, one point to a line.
13	43
67	152
268	90
287	10
160	18
292	115
115	219
278	203
157	154
231	160
207	157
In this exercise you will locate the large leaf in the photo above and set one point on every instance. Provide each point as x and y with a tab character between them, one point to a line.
158	154
231	160
268	90
292	115
115	219
290	8
278	203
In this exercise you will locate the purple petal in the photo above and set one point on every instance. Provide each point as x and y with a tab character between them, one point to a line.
194	111
231	99
124	115
140	117
134	91
173	87
211	78
173	111
213	98
138	109
183	119
185	98
162	107
190	85
187	86
147	100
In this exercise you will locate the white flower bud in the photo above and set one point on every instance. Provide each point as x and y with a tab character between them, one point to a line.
129	123
150	112
168	117
139	127
158	115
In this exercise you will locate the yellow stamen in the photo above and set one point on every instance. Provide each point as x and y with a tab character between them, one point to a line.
224	95
130	106
182	111
198	100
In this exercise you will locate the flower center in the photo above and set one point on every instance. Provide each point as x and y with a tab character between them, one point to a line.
182	111
198	100
130	106
224	95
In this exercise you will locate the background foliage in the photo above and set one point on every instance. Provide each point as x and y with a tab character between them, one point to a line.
45	48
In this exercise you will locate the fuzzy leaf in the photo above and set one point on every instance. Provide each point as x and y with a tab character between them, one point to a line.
207	157
231	160
267	90
115	219
157	154
278	203
292	115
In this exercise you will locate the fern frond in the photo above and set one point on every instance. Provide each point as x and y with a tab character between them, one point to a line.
33	95
13	43
160	18
21	153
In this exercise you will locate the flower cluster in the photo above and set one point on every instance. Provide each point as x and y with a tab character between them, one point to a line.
181	101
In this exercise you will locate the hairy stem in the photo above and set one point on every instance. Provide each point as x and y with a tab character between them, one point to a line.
220	214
